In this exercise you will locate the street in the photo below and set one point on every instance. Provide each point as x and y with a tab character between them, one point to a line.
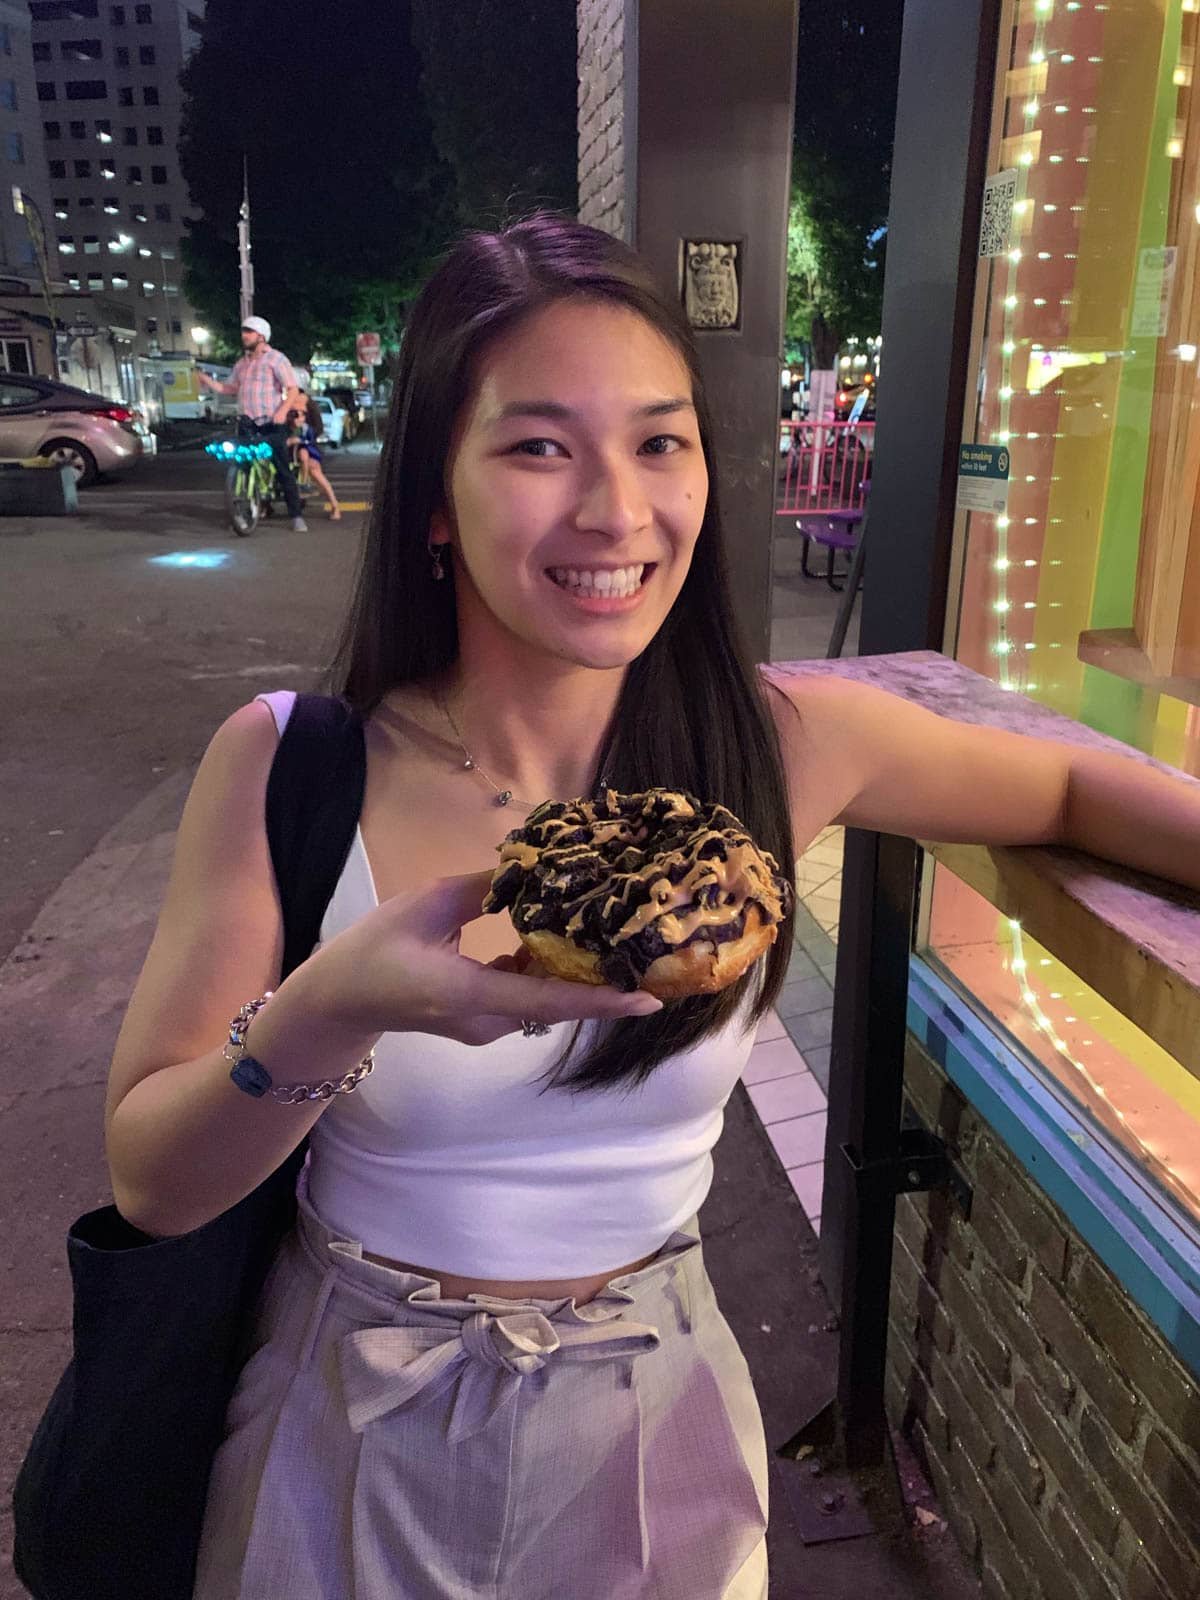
118	665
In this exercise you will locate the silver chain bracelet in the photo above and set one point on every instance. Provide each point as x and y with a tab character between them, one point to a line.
251	1076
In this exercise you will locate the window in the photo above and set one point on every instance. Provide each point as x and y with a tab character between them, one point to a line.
5	39
133	174
86	202
14	147
158	174
138	214
58	169
176	327
41	52
141	13
116	15
146	54
52	130
150	95
120	281
73	281
80	50
107	168
79	130
130	135
125	97
47	91
91	245
66	244
16	355
16	394
83	169
147	289
122	55
154	136
8	93
195	22
162	213
95	281
64	10
111	206
104	130
87	89
151	322
62	207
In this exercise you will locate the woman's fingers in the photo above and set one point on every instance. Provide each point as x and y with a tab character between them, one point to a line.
551	999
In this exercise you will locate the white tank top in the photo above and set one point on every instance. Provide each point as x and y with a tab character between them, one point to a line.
457	1157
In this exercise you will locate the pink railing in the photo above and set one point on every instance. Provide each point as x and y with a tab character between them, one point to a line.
824	466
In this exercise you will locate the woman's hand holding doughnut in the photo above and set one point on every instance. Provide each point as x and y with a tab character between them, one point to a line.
399	969
651	891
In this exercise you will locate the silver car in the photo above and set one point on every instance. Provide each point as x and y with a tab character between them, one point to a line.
86	432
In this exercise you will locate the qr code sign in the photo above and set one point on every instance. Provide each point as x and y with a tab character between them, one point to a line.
999	193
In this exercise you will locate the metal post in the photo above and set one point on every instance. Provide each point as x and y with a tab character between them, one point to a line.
26	207
246	271
938	171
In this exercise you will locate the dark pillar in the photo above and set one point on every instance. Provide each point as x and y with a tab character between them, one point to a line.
938	171
947	64
690	122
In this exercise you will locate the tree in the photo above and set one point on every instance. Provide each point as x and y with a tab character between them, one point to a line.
349	199
846	85
499	78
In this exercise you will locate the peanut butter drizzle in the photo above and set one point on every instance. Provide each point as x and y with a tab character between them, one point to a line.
744	874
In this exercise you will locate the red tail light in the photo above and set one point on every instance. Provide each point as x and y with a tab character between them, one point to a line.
116	413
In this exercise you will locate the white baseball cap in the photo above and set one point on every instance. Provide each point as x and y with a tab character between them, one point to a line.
259	325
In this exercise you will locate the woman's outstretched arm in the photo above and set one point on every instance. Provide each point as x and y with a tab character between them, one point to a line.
882	763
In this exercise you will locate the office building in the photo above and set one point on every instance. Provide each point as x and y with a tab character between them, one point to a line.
107	85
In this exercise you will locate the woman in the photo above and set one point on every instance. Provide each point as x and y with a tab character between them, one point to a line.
306	457
489	1358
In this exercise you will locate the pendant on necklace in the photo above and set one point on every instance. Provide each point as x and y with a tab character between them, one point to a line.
468	765
503	797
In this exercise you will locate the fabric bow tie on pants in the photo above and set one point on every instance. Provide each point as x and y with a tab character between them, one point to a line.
487	1355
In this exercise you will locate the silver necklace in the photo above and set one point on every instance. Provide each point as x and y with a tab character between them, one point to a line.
504	797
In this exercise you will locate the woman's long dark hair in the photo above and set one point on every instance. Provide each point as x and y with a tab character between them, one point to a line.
692	713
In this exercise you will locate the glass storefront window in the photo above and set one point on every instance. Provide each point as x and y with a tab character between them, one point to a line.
1084	593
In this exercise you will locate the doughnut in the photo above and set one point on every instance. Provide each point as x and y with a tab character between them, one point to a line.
649	891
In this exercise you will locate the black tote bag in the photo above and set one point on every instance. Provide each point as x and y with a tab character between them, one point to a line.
109	1501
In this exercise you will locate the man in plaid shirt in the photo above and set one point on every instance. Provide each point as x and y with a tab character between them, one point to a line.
266	388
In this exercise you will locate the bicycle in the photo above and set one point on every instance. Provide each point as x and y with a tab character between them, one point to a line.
251	482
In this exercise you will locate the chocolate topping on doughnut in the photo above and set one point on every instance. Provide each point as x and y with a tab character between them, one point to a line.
632	877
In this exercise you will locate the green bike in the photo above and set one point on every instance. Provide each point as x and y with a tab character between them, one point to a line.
251	482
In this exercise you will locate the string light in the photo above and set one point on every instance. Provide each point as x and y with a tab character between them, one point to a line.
1045	1026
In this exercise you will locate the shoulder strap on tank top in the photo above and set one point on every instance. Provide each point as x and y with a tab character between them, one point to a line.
314	799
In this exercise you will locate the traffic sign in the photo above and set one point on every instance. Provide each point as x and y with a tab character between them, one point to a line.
83	330
367	345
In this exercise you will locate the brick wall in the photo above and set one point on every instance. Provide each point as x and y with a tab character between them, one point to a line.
1060	1430
601	29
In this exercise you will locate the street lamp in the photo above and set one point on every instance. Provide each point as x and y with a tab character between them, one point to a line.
25	206
200	337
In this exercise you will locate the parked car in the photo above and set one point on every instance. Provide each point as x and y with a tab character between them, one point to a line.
349	404
846	397
87	432
333	420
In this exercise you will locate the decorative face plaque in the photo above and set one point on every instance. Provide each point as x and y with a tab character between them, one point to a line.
711	272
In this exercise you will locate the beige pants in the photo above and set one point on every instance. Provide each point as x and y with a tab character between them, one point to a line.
386	1444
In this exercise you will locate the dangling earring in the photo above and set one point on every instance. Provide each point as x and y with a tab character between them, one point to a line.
435	555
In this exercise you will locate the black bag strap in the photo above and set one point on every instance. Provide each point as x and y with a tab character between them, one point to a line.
314	800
